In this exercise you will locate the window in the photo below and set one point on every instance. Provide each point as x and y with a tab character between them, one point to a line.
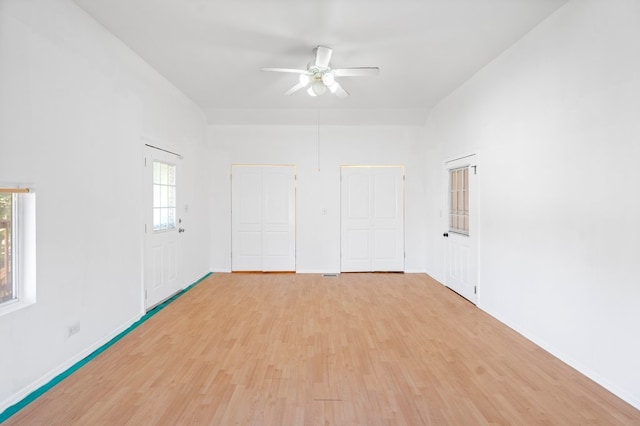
7	269
164	196
17	248
459	200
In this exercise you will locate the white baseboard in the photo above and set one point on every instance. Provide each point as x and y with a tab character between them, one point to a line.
435	277
42	381
634	400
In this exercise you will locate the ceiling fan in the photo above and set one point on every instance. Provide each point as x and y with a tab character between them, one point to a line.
319	76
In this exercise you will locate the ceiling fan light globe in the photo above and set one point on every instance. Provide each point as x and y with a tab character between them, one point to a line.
304	79
328	79
318	87
311	92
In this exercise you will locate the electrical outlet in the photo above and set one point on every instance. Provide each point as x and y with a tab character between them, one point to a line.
73	329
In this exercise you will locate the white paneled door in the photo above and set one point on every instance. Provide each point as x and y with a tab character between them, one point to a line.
461	235
162	227
372	218
263	218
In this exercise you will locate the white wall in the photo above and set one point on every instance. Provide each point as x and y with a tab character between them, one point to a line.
74	106
318	236
555	120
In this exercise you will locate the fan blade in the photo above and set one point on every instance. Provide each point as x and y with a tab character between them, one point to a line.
356	72
337	90
295	88
291	70
323	56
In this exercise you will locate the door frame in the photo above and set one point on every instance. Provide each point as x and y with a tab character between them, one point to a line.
474	206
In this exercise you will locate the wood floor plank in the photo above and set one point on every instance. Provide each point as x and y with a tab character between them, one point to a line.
298	349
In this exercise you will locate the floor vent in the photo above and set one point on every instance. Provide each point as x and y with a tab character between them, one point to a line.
330	275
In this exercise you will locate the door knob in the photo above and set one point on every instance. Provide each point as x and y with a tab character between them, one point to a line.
446	234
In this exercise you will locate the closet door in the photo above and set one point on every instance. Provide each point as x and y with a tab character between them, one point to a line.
246	213
387	215
356	238
263	218
278	218
372	218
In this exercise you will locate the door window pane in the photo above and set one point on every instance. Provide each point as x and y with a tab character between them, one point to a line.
459	200
164	196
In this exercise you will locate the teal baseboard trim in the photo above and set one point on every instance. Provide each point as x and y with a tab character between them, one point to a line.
13	409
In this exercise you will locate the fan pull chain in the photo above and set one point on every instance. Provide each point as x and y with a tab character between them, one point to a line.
318	140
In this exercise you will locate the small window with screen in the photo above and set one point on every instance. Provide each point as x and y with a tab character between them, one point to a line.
17	248
7	247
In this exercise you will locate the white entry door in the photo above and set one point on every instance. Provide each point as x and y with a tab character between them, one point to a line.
162	227
372	218
461	235
263	218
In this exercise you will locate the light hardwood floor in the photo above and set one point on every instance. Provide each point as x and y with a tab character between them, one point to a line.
367	349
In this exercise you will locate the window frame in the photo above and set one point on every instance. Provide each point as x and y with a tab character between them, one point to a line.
22	250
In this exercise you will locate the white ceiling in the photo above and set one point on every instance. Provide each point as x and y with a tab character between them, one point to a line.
213	50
